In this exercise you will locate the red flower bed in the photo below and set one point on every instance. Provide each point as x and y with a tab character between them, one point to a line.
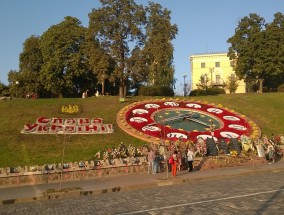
141	117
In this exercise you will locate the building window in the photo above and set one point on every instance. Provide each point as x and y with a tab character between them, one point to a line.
203	65
202	79
218	79
217	64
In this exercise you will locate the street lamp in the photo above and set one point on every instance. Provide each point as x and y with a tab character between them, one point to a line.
184	86
17	83
211	70
64	141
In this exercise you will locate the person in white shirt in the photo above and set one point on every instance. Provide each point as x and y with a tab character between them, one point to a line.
151	158
190	156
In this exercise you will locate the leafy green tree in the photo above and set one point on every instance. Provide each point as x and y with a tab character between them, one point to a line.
139	69
258	48
203	83
158	47
65	71
15	84
118	26
245	47
31	62
4	90
232	84
99	61
272	60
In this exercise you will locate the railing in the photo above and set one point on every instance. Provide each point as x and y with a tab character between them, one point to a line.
218	83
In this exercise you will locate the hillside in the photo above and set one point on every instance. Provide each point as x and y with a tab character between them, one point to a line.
29	149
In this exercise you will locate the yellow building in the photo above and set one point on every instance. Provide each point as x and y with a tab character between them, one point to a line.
215	69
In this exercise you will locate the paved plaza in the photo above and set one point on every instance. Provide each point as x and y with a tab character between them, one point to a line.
112	184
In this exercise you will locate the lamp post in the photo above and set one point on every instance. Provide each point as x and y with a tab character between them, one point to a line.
211	70
155	72
184	86
17	83
103	84
62	132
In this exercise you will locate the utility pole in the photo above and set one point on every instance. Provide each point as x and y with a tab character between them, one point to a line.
184	85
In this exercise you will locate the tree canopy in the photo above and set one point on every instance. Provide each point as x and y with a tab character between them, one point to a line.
64	69
118	26
258	48
125	45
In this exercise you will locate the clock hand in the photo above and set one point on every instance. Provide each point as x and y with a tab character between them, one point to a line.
198	121
172	119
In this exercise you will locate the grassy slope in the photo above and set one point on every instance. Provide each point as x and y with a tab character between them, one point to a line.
22	149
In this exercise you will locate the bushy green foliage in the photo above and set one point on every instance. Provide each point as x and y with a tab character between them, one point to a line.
208	91
156	91
232	84
281	88
4	90
255	40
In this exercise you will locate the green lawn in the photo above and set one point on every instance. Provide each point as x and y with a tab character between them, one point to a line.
30	149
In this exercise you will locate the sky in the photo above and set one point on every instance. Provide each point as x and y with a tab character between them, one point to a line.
204	25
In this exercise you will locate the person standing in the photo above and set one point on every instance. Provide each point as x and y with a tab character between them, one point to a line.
190	156
156	162
179	156
167	160
151	158
174	164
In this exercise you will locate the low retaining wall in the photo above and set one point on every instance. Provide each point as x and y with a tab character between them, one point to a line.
16	179
90	172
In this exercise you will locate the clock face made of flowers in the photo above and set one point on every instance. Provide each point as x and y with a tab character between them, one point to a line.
170	120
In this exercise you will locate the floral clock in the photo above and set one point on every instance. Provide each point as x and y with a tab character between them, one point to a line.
172	120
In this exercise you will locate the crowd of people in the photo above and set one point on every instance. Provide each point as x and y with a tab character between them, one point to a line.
176	156
170	158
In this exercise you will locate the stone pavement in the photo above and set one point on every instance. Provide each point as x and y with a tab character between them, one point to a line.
14	194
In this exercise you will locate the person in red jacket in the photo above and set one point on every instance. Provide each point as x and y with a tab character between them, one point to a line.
175	163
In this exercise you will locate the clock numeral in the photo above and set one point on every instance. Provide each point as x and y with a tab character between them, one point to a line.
193	105
139	111
150	128
138	119
148	106
177	135
238	127
231	118
214	110
228	134
174	104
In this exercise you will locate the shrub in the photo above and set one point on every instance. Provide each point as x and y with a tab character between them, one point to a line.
208	91
281	88
155	91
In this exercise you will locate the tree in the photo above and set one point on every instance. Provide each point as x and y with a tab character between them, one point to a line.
273	51
139	69
203	83
65	71
258	48
31	62
4	90
158	48
245	47
117	25
99	61
15	83
232	84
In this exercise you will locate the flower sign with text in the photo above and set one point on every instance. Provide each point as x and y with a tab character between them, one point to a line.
46	125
